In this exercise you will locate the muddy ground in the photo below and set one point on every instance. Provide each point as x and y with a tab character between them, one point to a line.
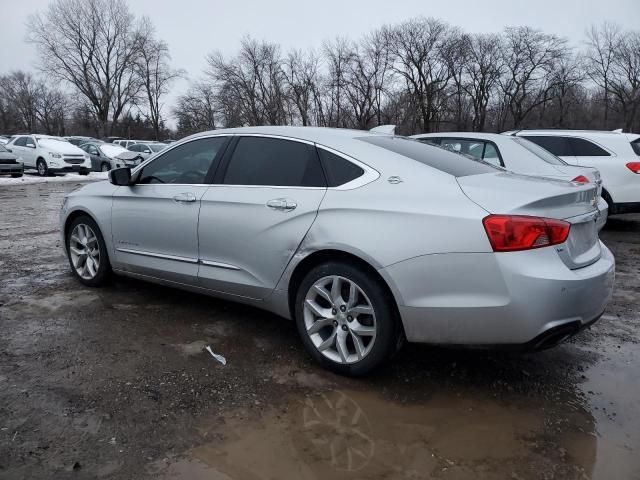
113	383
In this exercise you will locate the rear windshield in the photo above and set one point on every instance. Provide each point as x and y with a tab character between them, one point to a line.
433	156
539	152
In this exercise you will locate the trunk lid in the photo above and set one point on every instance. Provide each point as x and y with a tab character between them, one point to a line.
513	194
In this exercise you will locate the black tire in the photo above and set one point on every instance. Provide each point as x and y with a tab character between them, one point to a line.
104	269
388	326
105	167
16	175
42	168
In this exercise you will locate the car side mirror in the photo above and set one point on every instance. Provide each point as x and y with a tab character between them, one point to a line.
120	176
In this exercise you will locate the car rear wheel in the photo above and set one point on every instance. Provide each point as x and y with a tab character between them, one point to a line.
346	319
43	169
87	252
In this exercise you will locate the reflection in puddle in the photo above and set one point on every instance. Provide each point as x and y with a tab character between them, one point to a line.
352	434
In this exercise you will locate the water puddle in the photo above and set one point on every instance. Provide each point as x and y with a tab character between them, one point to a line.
353	434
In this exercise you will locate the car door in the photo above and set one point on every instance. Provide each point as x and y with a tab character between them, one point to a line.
94	155
264	200
19	148
155	221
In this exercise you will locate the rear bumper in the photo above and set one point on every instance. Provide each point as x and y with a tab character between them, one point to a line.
497	299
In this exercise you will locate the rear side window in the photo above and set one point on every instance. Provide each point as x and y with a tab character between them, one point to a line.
435	157
274	162
559	146
585	148
539	152
339	170
636	146
20	142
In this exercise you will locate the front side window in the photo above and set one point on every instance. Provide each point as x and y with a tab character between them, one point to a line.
585	148
30	142
20	142
339	170
274	162
188	163
559	146
134	148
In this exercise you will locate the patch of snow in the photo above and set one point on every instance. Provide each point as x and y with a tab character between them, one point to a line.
29	178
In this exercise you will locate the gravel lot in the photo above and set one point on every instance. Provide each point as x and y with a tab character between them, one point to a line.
114	383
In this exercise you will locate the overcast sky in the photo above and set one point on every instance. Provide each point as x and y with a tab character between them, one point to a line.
193	28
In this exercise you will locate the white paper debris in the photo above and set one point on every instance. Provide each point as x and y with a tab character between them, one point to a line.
220	358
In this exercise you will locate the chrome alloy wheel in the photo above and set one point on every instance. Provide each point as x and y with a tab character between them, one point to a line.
42	168
339	319
84	251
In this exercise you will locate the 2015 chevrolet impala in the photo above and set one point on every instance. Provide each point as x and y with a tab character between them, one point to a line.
363	239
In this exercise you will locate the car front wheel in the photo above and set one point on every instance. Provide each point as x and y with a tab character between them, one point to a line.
43	169
87	252
346	318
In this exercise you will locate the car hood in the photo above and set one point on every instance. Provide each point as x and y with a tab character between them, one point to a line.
61	147
127	155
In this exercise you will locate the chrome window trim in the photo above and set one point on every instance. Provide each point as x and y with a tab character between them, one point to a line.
158	255
370	174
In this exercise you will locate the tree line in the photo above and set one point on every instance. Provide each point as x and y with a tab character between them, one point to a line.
425	75
105	72
117	70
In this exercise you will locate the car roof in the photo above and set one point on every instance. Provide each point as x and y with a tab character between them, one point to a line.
478	135
311	134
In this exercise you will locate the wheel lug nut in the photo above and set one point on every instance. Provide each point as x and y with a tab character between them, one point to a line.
344	327
335	323
343	308
349	318
334	311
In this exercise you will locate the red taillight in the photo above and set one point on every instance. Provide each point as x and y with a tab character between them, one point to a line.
634	167
580	179
508	233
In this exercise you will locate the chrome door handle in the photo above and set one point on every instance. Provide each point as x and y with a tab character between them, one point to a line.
282	204
184	198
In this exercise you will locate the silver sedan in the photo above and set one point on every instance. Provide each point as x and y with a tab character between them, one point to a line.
362	239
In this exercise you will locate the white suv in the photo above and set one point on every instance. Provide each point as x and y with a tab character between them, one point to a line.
49	154
615	154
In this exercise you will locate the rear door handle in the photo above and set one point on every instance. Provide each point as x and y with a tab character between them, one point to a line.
184	198
282	204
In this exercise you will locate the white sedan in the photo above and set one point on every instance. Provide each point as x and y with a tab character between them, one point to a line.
518	155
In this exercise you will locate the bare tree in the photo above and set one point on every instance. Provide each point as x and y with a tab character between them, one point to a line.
196	109
252	83
601	49
482	69
624	81
93	45
417	47
530	57
23	91
302	76
155	75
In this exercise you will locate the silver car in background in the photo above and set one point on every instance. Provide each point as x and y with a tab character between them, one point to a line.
518	155
363	239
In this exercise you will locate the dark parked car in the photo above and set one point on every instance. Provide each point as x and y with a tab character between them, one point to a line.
105	156
9	164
